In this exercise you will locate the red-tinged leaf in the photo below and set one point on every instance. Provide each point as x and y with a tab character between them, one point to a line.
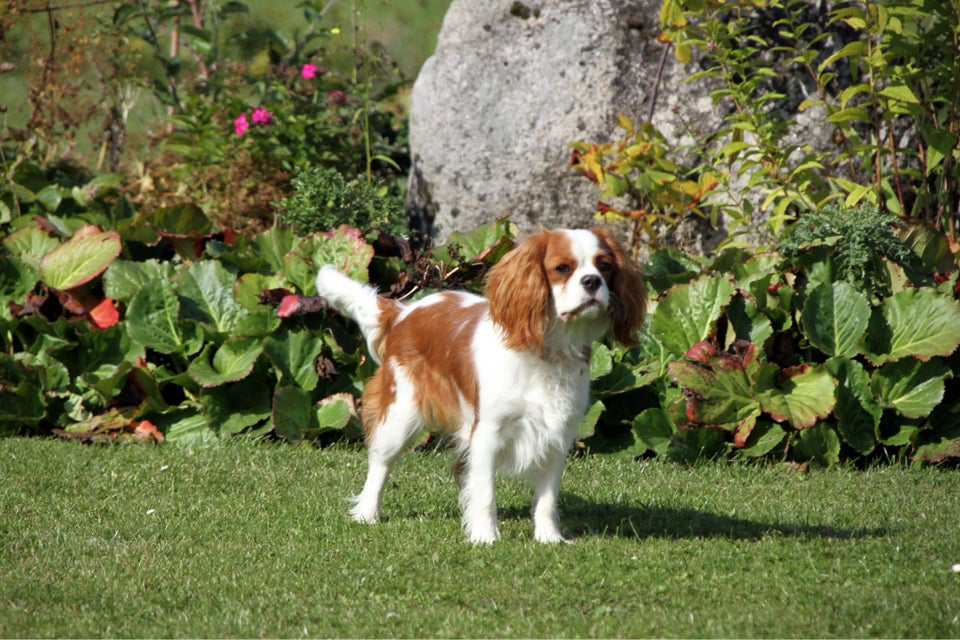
146	431
45	225
587	164
351	234
743	432
80	259
743	355
289	306
703	352
719	386
604	208
273	297
70	303
104	314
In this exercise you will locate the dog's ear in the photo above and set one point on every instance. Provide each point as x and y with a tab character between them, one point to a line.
519	294
629	299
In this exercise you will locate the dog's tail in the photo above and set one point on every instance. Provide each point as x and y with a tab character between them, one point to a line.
360	302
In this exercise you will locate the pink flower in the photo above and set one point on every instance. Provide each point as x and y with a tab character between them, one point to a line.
261	116
240	125
335	95
309	71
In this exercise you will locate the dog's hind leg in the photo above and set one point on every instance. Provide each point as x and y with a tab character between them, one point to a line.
385	441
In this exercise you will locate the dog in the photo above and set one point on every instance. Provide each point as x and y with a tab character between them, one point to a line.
507	374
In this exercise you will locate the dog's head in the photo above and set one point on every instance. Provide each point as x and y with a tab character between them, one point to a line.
577	283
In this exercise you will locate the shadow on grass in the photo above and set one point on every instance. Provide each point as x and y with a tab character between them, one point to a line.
581	518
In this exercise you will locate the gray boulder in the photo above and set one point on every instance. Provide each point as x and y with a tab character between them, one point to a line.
511	84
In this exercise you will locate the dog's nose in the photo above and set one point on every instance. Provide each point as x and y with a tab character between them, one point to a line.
591	282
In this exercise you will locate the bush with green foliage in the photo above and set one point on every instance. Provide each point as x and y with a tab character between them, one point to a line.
881	76
323	199
154	324
786	356
228	131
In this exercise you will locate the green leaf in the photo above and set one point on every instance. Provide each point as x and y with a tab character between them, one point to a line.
80	259
748	322
233	407
153	320
250	286
22	404
180	220
858	414
30	244
233	361
764	438
273	245
930	245
588	423
688	313
900	92
294	354
487	243
601	361
798	395
940	440
835	317
654	430
344	248
102	359
940	144
919	323
50	197
910	386
291	412
820	445
16	278
206	292
337	413
187	426
123	279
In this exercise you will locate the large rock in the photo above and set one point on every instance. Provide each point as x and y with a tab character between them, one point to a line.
511	84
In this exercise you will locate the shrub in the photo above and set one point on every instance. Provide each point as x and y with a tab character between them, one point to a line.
879	76
324	199
858	243
781	355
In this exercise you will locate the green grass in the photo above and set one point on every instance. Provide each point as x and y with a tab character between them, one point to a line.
244	540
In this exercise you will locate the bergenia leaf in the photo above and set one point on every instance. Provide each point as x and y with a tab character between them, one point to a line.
80	259
835	318
919	323
689	312
232	361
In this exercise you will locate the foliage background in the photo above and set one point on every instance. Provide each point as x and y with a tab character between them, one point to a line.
167	295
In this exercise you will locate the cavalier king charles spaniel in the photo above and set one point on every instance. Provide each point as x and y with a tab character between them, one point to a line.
507	375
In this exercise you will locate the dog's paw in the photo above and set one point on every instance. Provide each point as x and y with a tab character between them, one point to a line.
487	533
363	513
552	536
487	537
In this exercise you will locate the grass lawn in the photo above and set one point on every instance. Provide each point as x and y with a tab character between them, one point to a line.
251	540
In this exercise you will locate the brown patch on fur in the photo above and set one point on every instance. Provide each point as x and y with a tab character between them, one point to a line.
432	344
629	300
389	310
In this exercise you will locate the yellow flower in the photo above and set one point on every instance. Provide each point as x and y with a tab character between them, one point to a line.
335	31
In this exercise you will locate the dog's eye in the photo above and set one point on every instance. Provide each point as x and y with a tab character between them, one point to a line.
562	269
604	266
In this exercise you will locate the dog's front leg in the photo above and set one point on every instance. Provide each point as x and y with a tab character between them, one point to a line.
546	491
477	497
